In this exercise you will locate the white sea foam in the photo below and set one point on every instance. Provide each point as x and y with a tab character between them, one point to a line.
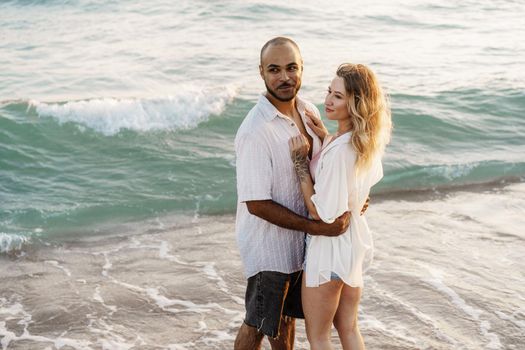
399	331
437	282
108	338
185	346
98	297
167	304
12	242
215	336
164	250
211	273
16	311
516	317
452	171
114	345
107	266
11	309
185	110
202	327
58	266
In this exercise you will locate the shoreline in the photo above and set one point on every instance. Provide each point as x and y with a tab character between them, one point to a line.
19	244
440	192
179	284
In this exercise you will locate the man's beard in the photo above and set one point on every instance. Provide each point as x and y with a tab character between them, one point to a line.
283	99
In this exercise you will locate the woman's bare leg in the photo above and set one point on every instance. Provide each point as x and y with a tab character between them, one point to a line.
319	306
345	320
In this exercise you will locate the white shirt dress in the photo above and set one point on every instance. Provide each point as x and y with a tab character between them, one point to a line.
339	188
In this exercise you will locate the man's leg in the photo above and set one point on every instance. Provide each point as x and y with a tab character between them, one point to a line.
286	335
265	301
248	338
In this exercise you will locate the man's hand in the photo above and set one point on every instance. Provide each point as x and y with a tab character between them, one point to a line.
339	226
365	207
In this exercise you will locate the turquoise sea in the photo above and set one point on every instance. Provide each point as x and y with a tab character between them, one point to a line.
119	116
124	111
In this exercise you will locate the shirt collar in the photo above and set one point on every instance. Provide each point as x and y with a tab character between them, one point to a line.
270	112
345	138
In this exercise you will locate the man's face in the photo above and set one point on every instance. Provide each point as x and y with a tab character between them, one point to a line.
281	69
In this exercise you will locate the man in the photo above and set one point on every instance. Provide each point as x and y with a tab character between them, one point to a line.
271	220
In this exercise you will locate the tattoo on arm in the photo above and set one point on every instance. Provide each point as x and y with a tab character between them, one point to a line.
300	164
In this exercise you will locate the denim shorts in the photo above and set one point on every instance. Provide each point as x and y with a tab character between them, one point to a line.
333	275
271	295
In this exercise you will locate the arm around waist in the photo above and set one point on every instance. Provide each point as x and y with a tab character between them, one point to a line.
283	217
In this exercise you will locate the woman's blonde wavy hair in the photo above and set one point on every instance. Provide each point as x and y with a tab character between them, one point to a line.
369	110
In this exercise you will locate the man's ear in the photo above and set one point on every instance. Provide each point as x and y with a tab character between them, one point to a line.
261	71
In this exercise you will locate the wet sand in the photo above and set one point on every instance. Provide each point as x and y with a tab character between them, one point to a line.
448	274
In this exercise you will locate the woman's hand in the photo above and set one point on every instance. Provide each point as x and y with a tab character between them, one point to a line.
299	147
316	124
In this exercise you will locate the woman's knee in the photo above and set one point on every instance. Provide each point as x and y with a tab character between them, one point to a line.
319	337
319	342
316	335
346	326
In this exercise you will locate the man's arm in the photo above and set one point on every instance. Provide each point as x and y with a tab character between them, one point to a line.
281	216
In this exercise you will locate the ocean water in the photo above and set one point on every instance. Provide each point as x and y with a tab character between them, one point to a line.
118	118
125	110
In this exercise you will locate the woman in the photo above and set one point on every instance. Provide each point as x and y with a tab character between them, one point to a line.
344	171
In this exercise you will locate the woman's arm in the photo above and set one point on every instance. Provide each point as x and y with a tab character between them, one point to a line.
299	150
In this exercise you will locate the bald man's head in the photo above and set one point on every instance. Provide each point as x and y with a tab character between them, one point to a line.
281	68
280	40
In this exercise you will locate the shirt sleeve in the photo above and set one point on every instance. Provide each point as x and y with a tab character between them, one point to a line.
331	186
317	143
377	172
254	169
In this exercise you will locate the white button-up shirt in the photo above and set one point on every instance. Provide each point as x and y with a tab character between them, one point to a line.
265	171
340	188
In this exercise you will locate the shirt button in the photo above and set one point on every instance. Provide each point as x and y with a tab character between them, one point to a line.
292	124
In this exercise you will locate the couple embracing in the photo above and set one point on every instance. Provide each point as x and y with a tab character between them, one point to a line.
302	193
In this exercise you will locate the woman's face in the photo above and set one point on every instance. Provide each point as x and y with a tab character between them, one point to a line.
336	100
